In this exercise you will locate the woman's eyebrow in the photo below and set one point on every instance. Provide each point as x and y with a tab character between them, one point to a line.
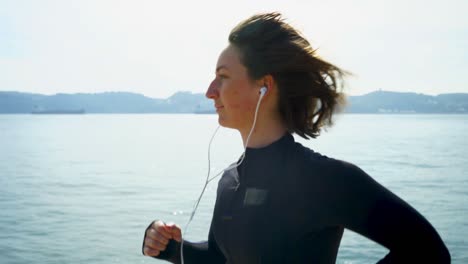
221	67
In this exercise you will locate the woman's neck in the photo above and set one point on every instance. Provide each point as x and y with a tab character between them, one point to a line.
267	130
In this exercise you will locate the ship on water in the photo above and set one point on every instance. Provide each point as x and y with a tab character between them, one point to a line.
58	112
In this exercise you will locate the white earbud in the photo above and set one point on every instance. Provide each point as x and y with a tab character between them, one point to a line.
263	91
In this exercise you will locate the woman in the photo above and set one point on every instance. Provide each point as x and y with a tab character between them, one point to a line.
286	203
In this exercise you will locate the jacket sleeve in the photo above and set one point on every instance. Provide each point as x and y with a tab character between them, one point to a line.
368	208
201	252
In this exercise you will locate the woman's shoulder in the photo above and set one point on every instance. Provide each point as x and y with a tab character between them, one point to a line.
311	162
309	156
336	179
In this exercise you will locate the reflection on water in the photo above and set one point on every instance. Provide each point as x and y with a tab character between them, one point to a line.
82	189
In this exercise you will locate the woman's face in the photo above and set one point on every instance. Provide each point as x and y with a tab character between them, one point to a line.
234	94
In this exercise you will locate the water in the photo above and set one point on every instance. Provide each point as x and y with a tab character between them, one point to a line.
83	188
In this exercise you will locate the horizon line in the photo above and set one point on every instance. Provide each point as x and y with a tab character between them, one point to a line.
191	92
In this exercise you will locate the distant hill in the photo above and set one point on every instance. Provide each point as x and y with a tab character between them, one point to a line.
396	102
187	102
109	102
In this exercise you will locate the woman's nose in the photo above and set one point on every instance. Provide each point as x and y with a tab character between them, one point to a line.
212	92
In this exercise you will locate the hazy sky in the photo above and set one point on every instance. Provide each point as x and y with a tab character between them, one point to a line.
159	47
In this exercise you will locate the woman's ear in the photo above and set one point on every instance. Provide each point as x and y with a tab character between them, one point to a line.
267	81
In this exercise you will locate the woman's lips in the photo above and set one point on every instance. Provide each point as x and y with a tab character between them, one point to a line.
218	107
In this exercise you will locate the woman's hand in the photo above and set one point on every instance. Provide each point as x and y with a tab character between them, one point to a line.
157	237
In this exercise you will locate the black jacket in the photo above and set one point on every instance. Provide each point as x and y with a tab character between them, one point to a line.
288	204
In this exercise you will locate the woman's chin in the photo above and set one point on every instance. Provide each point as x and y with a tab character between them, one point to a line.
224	123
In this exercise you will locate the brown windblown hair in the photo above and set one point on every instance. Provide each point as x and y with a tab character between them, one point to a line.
309	87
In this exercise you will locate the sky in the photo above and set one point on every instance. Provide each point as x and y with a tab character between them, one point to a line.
157	48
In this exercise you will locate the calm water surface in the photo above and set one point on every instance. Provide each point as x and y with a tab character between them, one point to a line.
82	188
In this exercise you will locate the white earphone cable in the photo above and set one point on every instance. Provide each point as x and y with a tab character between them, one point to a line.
208	179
